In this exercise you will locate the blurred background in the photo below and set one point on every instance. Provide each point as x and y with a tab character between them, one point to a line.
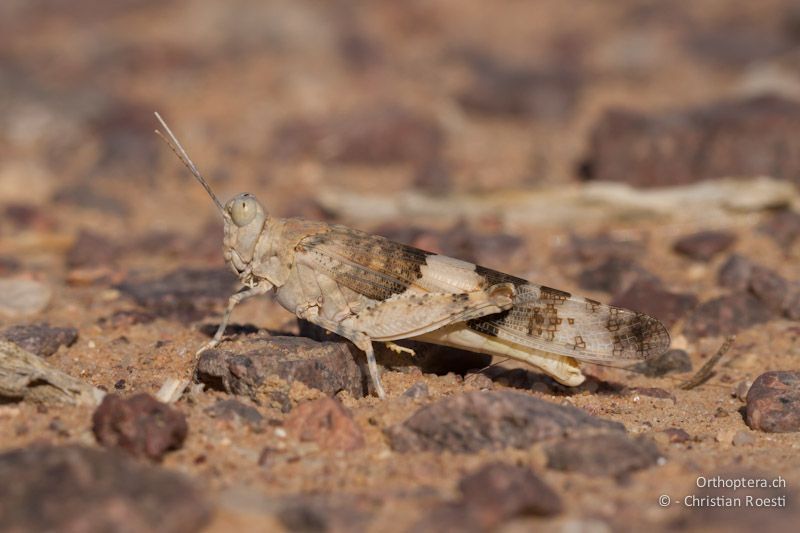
541	138
640	152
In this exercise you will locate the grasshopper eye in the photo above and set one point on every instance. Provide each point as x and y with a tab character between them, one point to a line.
243	210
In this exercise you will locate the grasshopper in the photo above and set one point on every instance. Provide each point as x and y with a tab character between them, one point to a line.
367	288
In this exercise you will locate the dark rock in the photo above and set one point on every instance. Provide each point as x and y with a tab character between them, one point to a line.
611	454
740	138
775	292
735	273
235	410
92	250
320	513
359	50
773	402
447	518
186	294
86	196
726	315
783	227
125	134
677	435
417	390
500	491
140	425
327	366
736	42
41	339
615	275
29	217
9	265
459	241
490	420
670	362
232	330
704	245
496	493
650	298
327	423
602	247
769	287
430	358
78	489
791	304
503	90
126	318
377	136
433	177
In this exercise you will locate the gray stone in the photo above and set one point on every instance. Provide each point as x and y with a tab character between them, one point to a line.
490	420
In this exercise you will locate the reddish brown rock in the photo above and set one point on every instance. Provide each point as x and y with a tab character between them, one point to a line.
140	425
615	275
494	494
500	491
92	250
651	298
677	435
726	315
326	422
739	138
504	90
480	420
704	245
377	136
773	402
611	454
77	489
42	339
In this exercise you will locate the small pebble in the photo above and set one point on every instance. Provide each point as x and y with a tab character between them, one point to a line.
22	297
743	438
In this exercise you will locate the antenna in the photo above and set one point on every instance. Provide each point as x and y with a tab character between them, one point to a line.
176	147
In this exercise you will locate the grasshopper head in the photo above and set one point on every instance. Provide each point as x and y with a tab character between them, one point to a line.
243	215
244	221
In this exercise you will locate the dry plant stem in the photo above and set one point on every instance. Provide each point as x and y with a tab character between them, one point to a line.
27	377
707	370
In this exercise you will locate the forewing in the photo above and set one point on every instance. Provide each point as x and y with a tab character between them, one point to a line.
557	322
368	264
543	318
379	268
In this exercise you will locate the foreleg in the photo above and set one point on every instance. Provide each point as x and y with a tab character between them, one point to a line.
233	301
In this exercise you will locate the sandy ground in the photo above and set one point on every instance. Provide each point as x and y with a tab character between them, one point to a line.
270	98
